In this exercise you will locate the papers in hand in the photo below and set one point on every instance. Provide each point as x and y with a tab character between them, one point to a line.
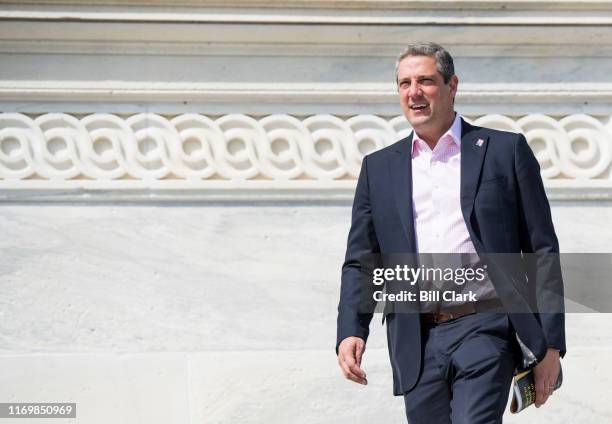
523	390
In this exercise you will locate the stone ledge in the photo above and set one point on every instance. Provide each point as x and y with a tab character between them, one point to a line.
260	386
246	192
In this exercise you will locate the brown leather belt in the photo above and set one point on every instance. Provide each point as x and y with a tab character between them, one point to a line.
454	312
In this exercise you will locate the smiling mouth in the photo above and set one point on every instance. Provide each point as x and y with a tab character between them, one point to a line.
419	106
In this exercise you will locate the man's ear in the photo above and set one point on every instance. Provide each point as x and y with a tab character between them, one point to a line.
453	83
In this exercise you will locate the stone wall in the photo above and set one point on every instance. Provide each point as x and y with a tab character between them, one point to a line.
176	186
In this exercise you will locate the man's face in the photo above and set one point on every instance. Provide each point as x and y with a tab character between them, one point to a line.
426	101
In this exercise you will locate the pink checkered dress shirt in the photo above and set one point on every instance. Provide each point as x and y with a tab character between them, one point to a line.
436	179
438	220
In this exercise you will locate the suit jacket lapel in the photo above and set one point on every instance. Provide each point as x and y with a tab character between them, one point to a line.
473	149
401	179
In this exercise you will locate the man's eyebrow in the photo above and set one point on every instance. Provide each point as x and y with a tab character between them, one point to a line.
417	77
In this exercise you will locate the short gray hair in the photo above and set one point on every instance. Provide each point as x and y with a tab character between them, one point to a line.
444	61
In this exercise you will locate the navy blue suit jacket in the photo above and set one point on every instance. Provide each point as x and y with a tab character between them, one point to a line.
506	211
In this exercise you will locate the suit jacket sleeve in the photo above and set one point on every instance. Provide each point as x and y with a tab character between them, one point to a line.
361	241
539	242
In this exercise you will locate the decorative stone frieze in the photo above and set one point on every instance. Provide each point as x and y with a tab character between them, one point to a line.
196	151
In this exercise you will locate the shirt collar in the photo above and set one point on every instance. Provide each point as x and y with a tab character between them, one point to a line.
454	131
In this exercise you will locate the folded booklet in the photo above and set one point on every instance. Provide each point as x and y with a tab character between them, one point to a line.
523	390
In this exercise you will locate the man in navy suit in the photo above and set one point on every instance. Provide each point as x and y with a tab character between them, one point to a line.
454	188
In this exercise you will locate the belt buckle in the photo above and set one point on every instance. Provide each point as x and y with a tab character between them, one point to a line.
444	316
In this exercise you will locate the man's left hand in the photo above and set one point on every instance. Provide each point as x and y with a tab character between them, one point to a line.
545	375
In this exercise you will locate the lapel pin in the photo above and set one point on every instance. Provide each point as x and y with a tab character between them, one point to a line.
480	142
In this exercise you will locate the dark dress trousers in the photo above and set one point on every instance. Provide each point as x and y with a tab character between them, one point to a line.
505	208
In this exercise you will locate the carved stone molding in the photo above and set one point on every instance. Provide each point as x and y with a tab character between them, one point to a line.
62	153
293	98
298	57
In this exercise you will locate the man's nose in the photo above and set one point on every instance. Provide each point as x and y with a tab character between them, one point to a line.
414	90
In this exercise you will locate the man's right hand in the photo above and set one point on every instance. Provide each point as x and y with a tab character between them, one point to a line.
350	353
